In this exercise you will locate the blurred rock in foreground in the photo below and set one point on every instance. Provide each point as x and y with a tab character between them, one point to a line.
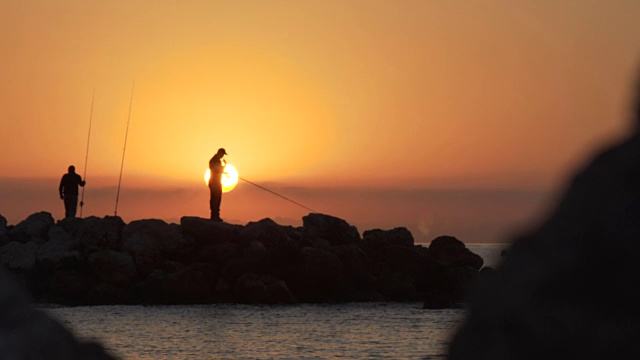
28	333
571	288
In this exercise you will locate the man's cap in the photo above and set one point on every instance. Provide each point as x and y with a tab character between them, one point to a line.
222	150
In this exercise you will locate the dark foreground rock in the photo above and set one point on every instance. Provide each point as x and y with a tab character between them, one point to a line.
28	333
105	261
570	289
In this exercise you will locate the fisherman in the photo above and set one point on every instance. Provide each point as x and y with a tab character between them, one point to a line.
69	191
216	166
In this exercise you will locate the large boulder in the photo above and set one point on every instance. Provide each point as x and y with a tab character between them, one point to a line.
152	242
358	281
3	226
4	238
19	257
60	251
569	288
315	277
206	231
406	260
330	228
253	260
36	227
184	286
113	267
66	288
262	289
449	287
276	238
400	236
218	253
97	234
453	252
106	294
73	225
395	285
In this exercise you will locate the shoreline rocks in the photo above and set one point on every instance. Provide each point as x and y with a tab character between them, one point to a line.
100	261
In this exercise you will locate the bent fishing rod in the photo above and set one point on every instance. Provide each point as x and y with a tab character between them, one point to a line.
124	149
86	158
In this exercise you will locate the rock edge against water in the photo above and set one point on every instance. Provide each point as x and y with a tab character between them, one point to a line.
96	261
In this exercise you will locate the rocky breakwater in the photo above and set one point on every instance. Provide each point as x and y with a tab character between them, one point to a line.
95	261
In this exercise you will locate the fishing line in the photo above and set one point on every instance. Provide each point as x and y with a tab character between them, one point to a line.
276	194
86	158
126	135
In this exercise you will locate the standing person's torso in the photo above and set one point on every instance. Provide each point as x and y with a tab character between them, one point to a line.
216	170
70	183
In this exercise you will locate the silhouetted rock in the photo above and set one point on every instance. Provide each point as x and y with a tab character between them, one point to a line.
66	287
318	276
184	286
18	256
28	333
73	225
3	226
4	238
60	251
35	226
105	261
453	252
113	267
262	289
276	238
207	231
152	242
399	236
568	289
96	233
332	229
218	252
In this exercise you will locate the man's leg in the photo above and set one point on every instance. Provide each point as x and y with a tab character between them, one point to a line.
214	202
67	206
71	205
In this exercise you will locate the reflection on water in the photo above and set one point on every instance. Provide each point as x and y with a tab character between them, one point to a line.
369	330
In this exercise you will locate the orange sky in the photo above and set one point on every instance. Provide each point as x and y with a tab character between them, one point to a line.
389	95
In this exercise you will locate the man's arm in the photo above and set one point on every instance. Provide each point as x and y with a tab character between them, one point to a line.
61	188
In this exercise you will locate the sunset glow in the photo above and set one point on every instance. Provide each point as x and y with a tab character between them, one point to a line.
229	178
310	96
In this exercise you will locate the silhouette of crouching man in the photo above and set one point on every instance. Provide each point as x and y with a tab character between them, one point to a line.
69	191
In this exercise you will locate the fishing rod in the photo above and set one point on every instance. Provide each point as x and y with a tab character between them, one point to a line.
86	158
276	194
126	135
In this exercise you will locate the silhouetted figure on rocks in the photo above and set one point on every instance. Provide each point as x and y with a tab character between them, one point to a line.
216	166
69	191
569	289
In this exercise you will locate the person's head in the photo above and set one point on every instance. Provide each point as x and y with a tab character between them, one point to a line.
221	152
72	169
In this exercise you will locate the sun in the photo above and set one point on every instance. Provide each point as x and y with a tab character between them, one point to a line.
229	178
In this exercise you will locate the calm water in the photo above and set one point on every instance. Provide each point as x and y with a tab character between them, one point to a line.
353	331
350	331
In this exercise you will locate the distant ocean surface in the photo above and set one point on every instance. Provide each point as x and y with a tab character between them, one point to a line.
352	331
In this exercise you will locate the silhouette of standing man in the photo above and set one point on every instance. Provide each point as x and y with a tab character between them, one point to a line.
216	167
69	191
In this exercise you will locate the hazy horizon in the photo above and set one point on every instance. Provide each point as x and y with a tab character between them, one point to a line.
444	117
472	215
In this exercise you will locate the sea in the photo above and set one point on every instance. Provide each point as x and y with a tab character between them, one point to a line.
304	331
